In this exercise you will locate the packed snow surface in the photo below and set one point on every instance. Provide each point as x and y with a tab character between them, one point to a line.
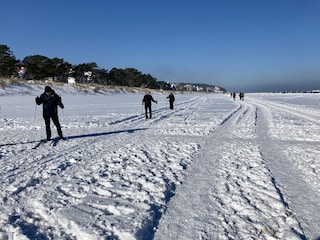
212	168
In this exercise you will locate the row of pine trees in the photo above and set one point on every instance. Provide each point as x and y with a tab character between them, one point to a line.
38	67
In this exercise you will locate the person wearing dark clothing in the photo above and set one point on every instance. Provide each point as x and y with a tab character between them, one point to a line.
234	95
171	100
50	101
241	96
147	99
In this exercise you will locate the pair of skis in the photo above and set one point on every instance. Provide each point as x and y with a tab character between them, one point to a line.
53	142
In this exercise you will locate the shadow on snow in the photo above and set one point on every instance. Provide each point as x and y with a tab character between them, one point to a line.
106	133
79	136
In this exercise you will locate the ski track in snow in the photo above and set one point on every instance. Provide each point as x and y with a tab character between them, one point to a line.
213	168
251	179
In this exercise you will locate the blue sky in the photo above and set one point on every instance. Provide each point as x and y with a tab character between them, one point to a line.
242	45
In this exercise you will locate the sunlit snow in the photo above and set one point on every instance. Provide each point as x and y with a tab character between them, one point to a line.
212	168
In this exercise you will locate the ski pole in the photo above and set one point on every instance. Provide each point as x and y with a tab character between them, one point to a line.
64	120
64	117
34	117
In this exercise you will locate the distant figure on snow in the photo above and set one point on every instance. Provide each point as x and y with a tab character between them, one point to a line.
147	99
50	101
171	100
234	96
241	96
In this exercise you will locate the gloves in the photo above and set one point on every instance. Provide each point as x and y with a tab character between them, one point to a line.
60	102
38	100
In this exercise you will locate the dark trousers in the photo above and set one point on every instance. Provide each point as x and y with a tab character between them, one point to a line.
171	104
55	120
147	107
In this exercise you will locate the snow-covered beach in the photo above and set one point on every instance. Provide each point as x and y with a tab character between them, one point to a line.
212	168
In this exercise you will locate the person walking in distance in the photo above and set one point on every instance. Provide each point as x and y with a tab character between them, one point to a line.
50	101
241	96
171	100
234	95
147	99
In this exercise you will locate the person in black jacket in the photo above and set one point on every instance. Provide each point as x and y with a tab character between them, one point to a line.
50	101
171	100
147	99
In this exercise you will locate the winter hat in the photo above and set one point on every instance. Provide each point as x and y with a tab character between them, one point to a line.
48	89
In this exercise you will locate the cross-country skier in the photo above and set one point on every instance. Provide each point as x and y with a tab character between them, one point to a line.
147	99
171	100
241	96
50	101
234	95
